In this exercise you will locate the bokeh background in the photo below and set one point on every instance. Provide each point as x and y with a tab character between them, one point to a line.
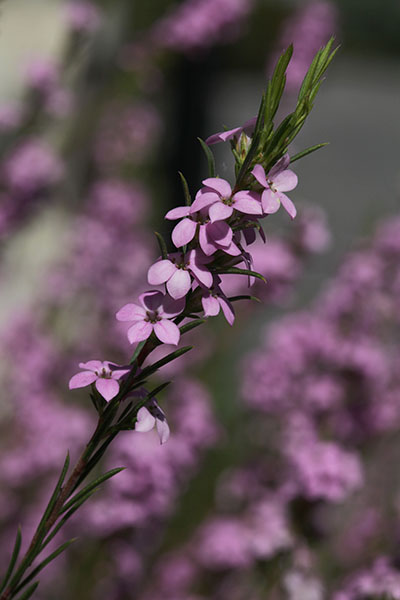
280	479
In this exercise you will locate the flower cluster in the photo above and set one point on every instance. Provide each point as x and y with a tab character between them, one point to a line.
199	24
212	236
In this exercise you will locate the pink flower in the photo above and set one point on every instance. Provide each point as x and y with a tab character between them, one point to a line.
223	136
82	16
278	180
105	374
151	415
154	315
176	272
217	197
212	236
214	300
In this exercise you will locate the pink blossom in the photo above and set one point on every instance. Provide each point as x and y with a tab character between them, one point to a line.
176	271
42	75
151	415
214	300
32	166
154	315
217	197
105	374
278	180
10	116
82	16
223	136
212	236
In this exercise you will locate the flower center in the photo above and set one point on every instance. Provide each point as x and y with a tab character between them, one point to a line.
104	373
152	316
181	264
271	186
227	200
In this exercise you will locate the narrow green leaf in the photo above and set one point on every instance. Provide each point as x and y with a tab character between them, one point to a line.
13	560
97	456
162	244
138	350
186	191
189	326
66	517
91	486
238	271
164	361
41	566
49	508
277	84
209	157
157	390
244	297
29	592
307	151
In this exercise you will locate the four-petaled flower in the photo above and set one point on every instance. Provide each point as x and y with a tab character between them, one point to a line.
217	197
175	272
151	415
105	374
214	300
212	236
154	315
279	180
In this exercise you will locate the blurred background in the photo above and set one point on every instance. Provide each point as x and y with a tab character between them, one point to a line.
280	479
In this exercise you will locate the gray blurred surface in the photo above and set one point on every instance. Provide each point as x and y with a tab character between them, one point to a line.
28	29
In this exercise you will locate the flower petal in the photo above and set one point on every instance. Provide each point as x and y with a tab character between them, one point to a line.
201	273
171	308
270	202
162	430
219	232
223	136
220	211
279	166
82	379
151	300
285	181
167	332
219	185
91	365
179	284
139	331
145	421
177	213
288	205
118	373
205	244
160	272
210	305
259	174
204	199
232	250
131	312
249	234
247	203
227	309
249	126
183	233
108	388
